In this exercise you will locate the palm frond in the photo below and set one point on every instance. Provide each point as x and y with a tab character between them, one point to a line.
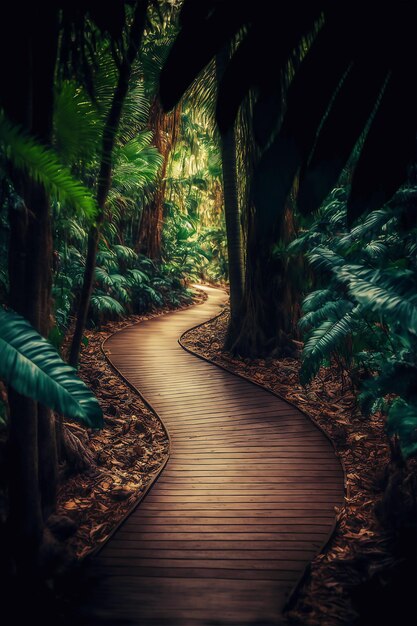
44	167
323	341
332	311
78	127
322	258
390	294
316	299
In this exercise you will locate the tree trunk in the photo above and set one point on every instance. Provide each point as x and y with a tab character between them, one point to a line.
270	305
269	309
104	179
165	128
32	468
232	214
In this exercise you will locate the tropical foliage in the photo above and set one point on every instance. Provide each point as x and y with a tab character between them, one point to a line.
363	310
263	177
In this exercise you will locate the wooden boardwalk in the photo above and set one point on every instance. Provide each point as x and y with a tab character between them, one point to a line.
245	502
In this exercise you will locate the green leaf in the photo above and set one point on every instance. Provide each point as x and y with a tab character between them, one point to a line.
106	305
136	277
44	167
102	277
317	299
390	294
323	341
333	311
124	253
30	365
323	258
402	421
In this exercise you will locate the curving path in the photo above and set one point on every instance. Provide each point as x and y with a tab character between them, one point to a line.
245	502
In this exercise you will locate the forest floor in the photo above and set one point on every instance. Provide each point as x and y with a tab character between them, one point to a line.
125	456
359	547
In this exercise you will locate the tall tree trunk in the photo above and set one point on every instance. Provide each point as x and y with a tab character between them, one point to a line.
32	468
269	310
105	174
39	277
165	128
231	211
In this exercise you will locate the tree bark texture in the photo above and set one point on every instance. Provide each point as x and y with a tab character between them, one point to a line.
231	209
32	446
269	310
165	128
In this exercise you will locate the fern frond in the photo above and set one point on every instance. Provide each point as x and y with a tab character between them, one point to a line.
392	295
322	258
370	225
317	298
331	311
107	259
136	277
78	127
323	341
102	277
44	167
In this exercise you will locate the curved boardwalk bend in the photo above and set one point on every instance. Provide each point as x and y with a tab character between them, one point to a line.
245	502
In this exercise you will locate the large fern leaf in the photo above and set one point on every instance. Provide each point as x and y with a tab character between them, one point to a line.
332	310
137	277
317	299
78	126
323	341
30	365
102	277
323	258
387	294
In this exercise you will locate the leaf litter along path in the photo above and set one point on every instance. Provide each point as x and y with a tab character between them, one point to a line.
245	502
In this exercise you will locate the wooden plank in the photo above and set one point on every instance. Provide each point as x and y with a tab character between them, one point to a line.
133	561
283	545
292	535
191	572
209	554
